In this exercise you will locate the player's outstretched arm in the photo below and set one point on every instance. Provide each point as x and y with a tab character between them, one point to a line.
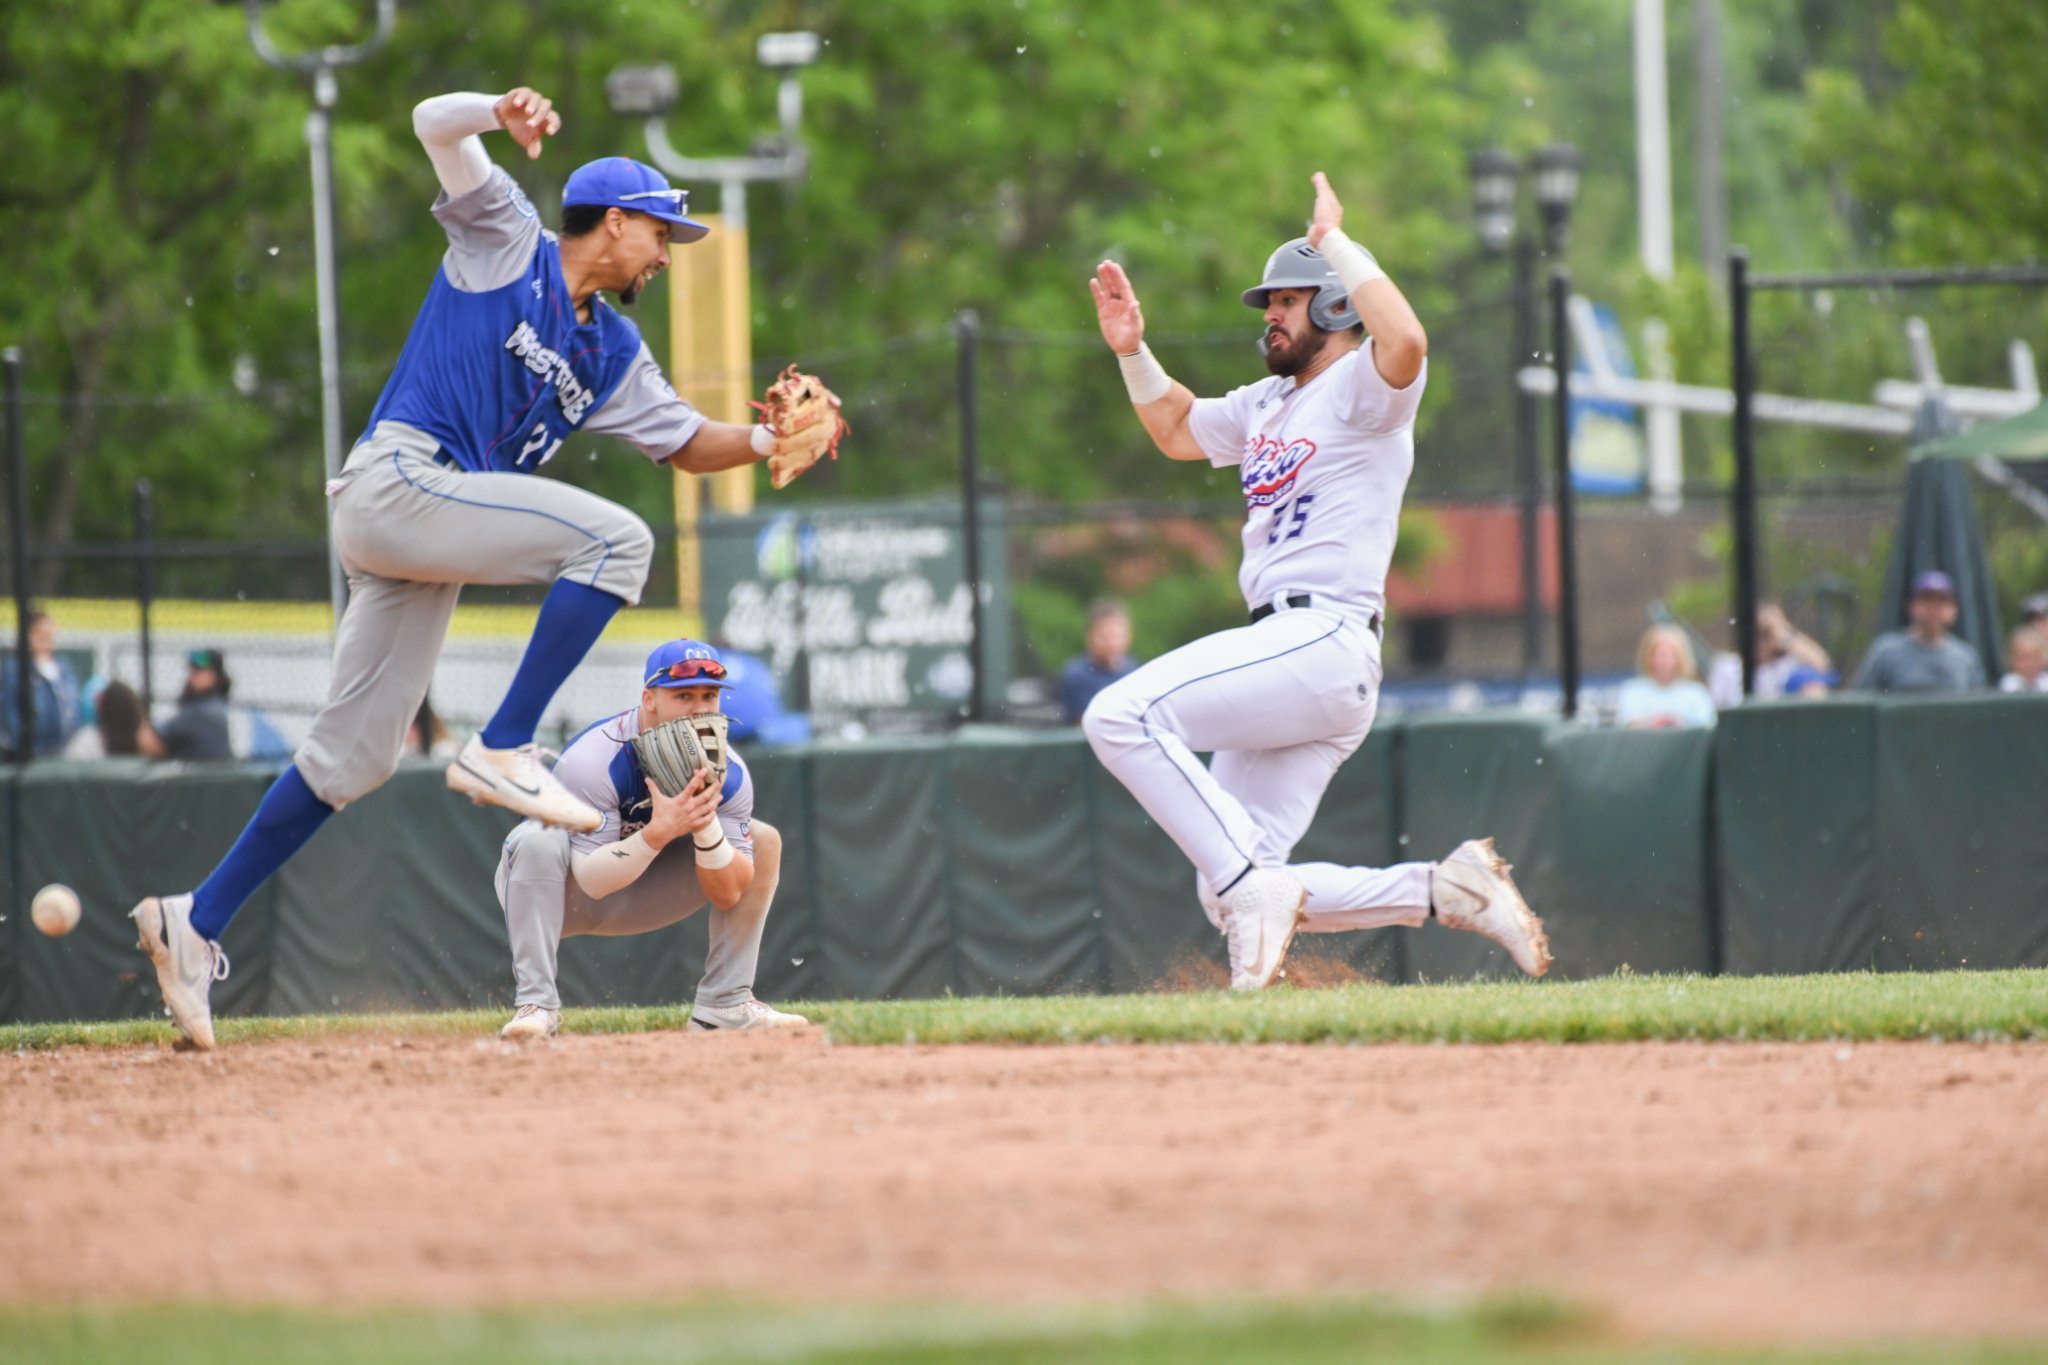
1161	402
715	446
1399	344
448	126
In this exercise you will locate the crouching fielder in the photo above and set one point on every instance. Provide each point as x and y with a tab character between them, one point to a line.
1323	449
653	861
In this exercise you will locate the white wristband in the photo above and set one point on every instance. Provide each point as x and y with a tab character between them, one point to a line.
1144	377
761	439
716	856
1353	263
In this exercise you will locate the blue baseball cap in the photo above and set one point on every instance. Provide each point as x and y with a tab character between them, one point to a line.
685	663
1934	581
619	182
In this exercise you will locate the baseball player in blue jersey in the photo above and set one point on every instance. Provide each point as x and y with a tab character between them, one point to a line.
1323	449
617	879
513	350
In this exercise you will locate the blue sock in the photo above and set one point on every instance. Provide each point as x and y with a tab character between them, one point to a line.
280	827
571	619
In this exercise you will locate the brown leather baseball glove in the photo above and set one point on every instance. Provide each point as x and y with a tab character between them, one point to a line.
802	417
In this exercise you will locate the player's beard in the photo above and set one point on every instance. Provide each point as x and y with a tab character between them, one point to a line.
1299	353
630	292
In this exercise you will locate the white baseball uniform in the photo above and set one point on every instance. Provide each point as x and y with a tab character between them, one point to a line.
1283	701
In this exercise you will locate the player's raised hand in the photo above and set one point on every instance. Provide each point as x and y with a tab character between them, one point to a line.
1329	213
1116	308
529	117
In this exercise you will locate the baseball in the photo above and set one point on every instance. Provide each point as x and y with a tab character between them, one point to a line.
55	909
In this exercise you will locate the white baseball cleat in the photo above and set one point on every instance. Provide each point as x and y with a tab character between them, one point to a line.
530	1023
1262	912
187	965
749	1013
1471	889
517	780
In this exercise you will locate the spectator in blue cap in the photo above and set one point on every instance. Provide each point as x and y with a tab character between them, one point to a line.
1923	657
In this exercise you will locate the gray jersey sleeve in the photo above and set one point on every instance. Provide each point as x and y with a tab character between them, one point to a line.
643	409
585	768
492	233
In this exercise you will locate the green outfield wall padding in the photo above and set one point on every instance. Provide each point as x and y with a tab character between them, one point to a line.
14	908
390	905
1477	775
1628	883
114	831
885	927
1359	822
1795	818
1153	928
1962	833
790	965
1027	915
1796	837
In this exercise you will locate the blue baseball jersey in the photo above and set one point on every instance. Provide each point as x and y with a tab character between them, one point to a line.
497	367
599	766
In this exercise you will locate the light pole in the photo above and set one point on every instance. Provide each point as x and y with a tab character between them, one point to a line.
710	315
1496	175
321	65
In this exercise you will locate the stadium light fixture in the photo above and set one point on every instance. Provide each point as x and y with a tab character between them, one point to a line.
1494	175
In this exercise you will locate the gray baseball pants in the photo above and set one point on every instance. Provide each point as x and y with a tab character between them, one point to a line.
410	531
544	905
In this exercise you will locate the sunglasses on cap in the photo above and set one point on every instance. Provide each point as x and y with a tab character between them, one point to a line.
687	669
679	200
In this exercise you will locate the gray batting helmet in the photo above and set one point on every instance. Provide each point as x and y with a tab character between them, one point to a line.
1297	265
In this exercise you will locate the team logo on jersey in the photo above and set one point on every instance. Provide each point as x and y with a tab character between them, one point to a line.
1269	468
574	396
521	205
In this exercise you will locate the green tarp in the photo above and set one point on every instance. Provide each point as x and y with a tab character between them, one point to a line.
1795	813
1796	837
1962	833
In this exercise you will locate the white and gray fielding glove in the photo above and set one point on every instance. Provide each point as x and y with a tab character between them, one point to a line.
672	752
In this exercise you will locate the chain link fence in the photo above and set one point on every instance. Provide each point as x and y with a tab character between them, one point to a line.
886	651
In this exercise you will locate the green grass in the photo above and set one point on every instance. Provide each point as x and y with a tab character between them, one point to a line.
1850	1006
1325	1330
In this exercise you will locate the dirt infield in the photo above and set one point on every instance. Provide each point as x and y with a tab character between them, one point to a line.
1719	1191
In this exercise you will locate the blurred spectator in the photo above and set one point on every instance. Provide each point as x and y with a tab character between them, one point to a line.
1667	692
198	729
2027	654
427	736
55	708
119	727
1784	652
2034	612
1105	656
1789	663
1809	682
1923	657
